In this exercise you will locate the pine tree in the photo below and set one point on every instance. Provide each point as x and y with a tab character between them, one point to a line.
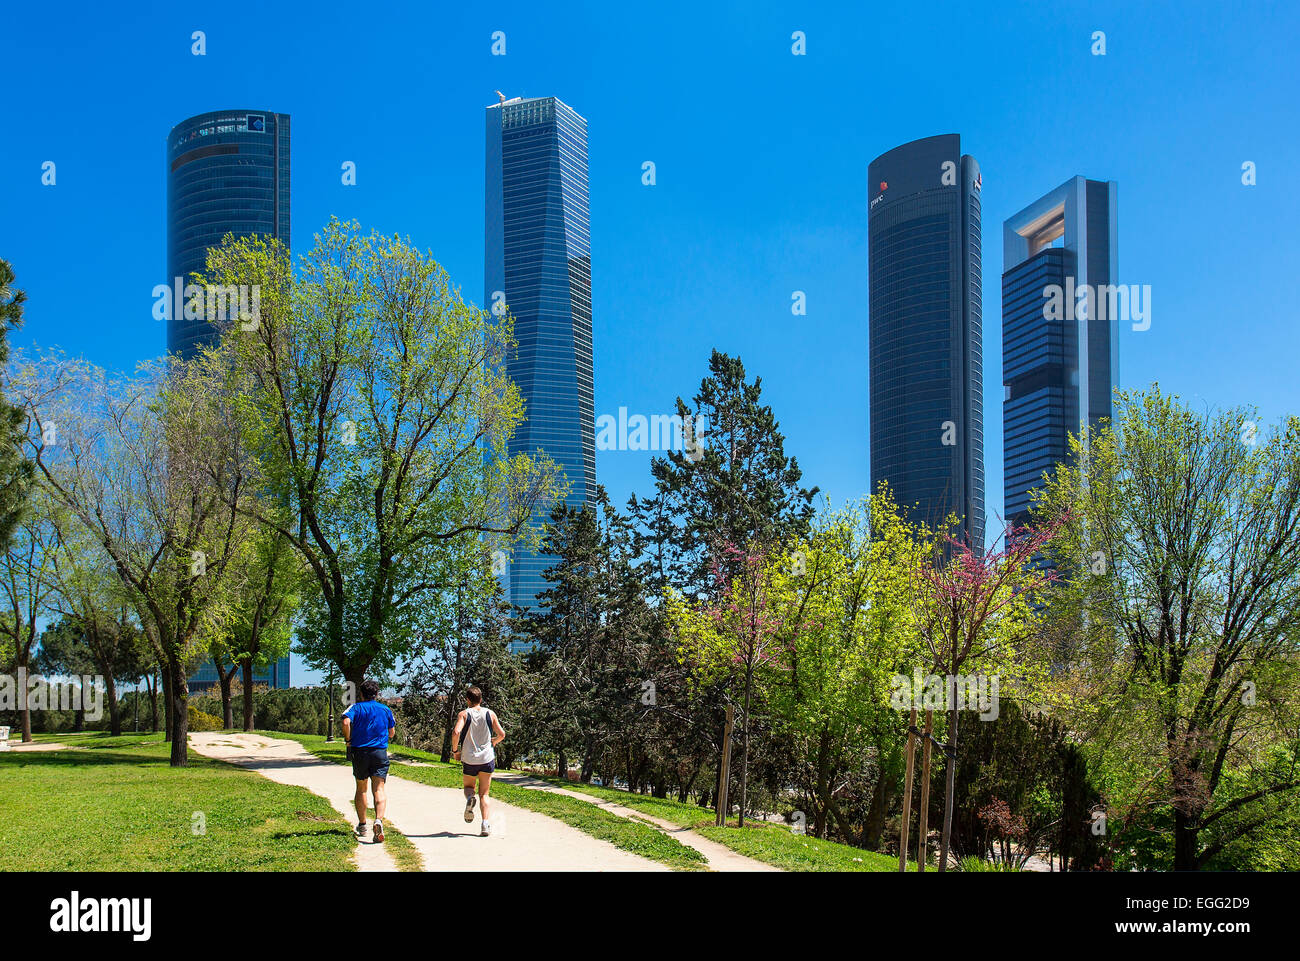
732	486
15	470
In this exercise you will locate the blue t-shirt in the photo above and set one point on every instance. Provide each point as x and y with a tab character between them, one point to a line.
371	722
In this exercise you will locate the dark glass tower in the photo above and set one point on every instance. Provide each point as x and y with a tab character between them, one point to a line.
1058	371
274	675
538	263
926	363
227	172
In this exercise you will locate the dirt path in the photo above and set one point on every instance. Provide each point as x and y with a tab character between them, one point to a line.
431	817
719	856
33	746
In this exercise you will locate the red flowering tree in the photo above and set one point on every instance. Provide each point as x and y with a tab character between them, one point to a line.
733	637
975	611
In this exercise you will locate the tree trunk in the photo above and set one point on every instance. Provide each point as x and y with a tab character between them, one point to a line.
950	779
180	701
685	793
562	766
744	749
248	693
25	714
114	709
823	783
169	707
449	723
877	811
151	685
223	680
79	720
1185	843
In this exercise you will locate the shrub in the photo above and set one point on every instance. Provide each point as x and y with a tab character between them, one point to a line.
976	864
202	721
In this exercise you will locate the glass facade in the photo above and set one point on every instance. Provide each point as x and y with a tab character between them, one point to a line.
1059	366
227	172
1037	382
275	674
538	262
926	352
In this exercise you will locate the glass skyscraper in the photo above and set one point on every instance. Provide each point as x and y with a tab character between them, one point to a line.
1059	368
926	353
227	172
538	264
274	675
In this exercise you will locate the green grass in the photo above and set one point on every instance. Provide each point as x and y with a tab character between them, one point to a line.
115	804
773	844
628	835
778	845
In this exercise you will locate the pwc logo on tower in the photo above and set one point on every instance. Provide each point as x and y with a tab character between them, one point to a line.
884	185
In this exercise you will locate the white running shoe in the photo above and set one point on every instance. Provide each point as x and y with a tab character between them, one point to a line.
469	809
486	830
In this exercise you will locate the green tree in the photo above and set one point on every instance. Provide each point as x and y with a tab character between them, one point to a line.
90	600
16	471
1182	533
978	614
28	586
731	487
597	638
99	646
843	599
375	398
149	466
265	581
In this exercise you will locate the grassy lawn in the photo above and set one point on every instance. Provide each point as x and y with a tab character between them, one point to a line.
774	844
777	844
114	804
628	835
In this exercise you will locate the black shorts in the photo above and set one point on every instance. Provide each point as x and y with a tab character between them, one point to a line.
368	762
476	769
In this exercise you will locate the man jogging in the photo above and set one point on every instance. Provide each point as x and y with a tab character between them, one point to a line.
367	726
478	759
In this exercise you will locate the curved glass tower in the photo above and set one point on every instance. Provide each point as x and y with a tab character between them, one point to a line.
227	172
926	360
537	261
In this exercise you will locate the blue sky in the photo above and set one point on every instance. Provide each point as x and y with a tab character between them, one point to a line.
761	161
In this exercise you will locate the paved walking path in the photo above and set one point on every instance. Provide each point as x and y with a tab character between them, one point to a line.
33	746
719	856
431	817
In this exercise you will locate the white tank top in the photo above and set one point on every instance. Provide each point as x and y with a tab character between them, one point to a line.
476	748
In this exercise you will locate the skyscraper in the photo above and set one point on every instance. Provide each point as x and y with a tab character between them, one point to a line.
538	264
926	356
1059	367
275	675
227	172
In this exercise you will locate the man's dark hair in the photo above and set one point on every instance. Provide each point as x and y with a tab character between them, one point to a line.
474	696
369	690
